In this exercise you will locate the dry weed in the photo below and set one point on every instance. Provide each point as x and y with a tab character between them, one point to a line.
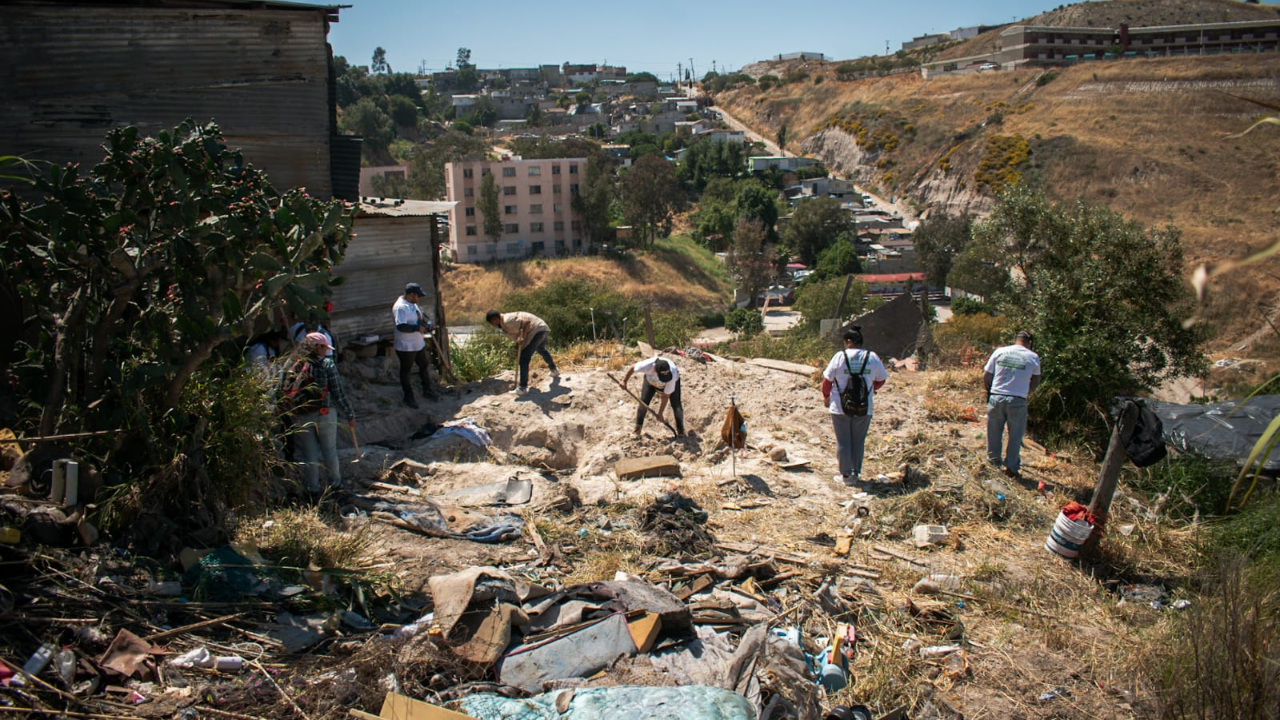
301	537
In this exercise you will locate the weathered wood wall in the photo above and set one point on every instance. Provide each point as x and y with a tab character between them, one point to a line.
69	72
386	253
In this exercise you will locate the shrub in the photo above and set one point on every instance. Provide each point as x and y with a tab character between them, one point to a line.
970	306
1184	486
817	300
567	306
1046	78
486	354
799	347
744	321
1223	658
711	320
967	339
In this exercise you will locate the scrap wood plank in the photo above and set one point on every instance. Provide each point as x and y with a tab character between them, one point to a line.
747	549
644	467
192	627
868	574
899	555
784	366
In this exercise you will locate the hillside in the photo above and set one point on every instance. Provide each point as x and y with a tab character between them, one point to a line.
675	274
1150	138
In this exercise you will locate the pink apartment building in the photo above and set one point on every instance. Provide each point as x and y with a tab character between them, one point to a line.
535	201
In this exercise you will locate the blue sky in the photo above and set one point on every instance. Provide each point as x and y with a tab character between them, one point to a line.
653	35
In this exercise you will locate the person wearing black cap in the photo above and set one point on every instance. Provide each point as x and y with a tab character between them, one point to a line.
659	374
412	327
853	364
1010	376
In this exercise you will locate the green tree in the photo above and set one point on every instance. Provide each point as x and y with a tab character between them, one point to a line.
483	112
403	112
938	240
782	136
650	195
464	58
367	120
754	202
713	223
750	258
1105	297
582	99
818	300
704	160
134	277
487	203
595	196
535	117
838	260
426	164
980	269
466	79
814	226
597	130
379	64
642	77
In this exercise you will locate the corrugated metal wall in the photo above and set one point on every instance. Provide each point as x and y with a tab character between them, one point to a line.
69	73
386	253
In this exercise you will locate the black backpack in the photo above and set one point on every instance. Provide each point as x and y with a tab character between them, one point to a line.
855	398
1146	444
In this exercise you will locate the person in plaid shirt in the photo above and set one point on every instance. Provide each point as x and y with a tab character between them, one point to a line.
317	390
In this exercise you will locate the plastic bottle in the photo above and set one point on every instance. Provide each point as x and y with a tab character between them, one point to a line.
66	663
36	663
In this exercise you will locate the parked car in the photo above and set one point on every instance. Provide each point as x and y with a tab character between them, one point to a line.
988	66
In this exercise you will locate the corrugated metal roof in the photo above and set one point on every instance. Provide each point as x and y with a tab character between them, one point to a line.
187	4
388	207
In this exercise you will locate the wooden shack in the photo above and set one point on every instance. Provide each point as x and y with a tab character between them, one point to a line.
396	242
70	70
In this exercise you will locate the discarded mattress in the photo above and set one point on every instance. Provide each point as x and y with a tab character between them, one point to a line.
691	702
1224	431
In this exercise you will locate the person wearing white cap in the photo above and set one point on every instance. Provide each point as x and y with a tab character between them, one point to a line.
412	328
311	390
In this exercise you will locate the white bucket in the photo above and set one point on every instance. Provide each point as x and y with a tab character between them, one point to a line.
1067	536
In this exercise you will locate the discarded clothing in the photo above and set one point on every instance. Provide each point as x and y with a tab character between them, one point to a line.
222	575
431	519
465	428
577	654
480	636
693	702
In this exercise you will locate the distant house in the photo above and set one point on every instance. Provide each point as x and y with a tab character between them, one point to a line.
828	187
386	172
926	41
578	74
801	56
760	163
735	137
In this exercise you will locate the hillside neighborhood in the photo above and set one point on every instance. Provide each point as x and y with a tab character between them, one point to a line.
964	356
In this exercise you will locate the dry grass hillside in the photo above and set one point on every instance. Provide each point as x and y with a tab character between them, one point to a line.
674	275
1154	139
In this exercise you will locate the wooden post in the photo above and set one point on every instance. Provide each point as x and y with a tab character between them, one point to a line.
1100	504
648	326
848	283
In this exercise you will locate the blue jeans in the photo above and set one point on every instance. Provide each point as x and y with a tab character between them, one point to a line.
317	437
1006	410
851	441
537	344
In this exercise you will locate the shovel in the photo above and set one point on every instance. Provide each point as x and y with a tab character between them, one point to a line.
356	443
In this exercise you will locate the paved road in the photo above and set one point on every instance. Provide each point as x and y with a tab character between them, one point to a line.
737	124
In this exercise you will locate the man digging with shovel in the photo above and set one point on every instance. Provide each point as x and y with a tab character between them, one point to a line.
659	374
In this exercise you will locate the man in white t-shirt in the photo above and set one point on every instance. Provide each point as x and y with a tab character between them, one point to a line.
852	364
412	328
1010	375
658	374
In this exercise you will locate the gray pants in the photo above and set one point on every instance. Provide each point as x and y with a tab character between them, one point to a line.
317	437
1002	411
851	441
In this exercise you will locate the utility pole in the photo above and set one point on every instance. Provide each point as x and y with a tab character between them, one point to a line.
679	73
692	73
